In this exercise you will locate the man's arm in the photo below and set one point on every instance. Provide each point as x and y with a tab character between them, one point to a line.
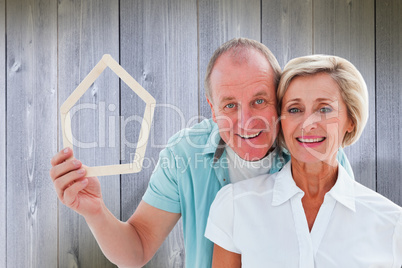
344	161
132	243
127	244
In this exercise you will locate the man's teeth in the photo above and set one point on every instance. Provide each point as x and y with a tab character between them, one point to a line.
249	136
311	140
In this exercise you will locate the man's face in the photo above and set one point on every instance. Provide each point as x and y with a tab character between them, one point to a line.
244	103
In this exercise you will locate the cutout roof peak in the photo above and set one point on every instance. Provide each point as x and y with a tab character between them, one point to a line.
108	61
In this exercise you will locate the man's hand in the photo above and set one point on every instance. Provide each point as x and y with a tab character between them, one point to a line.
126	244
80	193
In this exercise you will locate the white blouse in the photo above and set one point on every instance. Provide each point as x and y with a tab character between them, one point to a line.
263	220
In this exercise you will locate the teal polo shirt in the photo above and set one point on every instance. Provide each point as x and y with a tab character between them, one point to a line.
190	171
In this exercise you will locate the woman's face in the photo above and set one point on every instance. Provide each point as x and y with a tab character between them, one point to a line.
314	118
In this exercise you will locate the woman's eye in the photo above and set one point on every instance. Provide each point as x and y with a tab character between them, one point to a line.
259	101
325	110
293	110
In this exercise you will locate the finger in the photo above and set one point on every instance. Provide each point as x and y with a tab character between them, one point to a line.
64	168
61	156
65	181
71	193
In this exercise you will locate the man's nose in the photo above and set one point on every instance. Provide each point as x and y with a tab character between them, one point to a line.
245	118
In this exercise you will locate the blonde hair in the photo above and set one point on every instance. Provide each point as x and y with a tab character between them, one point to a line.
351	84
237	46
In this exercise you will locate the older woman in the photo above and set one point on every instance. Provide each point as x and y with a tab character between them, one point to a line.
311	213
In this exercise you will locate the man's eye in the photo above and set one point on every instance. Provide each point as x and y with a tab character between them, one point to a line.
259	101
230	105
325	110
294	110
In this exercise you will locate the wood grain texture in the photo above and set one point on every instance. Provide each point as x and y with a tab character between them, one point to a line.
220	21
287	28
165	46
346	29
87	30
159	49
389	98
31	133
3	127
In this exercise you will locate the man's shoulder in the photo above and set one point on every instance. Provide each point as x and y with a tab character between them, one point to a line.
197	137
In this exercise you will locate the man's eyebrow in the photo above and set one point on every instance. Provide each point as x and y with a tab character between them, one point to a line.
261	93
228	98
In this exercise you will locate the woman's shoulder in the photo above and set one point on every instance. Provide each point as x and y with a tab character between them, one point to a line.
259	185
376	203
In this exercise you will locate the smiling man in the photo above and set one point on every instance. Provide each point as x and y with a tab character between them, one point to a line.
237	143
243	102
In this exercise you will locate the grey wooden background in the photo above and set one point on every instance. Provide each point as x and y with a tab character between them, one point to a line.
47	48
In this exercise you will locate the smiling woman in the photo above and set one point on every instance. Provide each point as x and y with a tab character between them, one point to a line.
341	74
311	213
315	118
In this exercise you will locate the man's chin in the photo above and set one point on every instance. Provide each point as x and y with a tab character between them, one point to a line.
253	155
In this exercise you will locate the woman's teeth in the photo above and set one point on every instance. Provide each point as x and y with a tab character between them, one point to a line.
310	140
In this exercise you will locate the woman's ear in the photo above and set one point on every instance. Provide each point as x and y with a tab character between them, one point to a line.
351	126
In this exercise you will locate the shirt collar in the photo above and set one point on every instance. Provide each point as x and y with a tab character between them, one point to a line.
285	188
214	140
344	189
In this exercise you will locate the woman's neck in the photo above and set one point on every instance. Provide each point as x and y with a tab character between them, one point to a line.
315	180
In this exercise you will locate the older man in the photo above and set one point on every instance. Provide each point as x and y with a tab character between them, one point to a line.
236	144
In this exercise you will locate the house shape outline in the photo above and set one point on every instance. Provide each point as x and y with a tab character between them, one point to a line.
136	165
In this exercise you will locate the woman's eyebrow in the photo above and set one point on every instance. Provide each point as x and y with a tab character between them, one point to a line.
326	100
293	100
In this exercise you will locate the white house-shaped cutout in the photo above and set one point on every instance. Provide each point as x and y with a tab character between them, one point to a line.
108	61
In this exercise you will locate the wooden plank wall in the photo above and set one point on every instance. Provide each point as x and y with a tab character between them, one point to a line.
3	203
161	55
31	67
47	47
389	98
86	31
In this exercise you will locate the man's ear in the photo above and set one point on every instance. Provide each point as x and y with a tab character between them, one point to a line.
212	110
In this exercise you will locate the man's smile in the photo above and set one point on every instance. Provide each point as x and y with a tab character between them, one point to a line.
251	136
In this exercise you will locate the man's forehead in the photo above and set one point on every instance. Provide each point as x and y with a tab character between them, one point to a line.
227	96
241	55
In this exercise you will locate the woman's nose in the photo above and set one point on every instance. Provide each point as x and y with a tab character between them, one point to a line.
310	121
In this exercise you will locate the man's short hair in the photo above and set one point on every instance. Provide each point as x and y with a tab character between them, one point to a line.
237	45
351	84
